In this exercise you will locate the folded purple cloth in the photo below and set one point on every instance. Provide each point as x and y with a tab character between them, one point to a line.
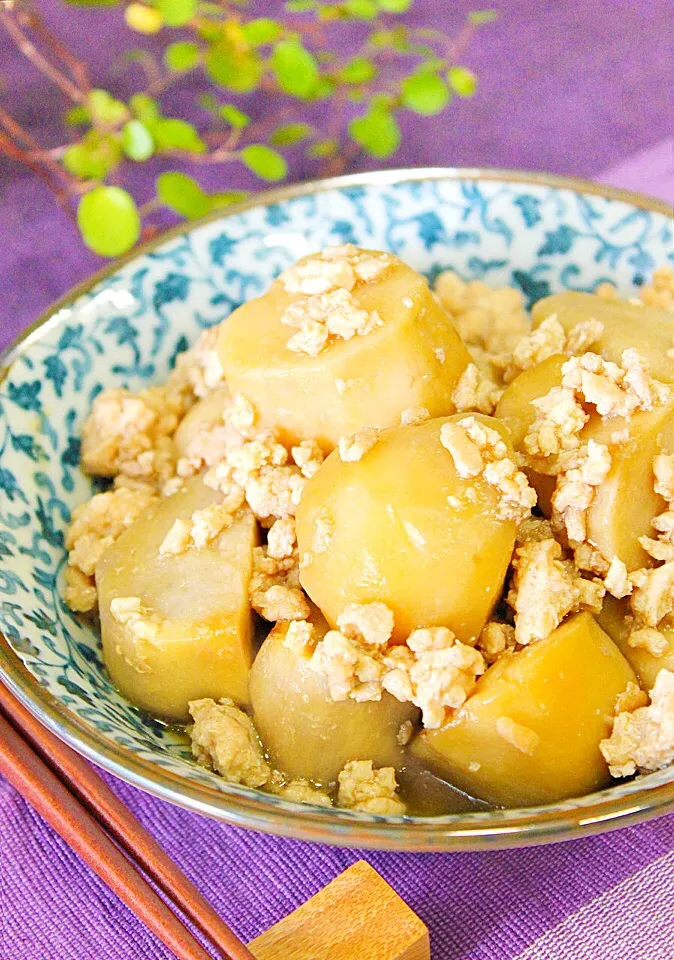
608	897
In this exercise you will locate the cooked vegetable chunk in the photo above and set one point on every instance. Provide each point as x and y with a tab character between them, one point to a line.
530	733
402	526
515	406
202	417
177	625
320	366
616	517
615	619
625	325
308	734
619	516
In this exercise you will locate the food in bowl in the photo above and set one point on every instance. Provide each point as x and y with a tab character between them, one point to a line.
369	536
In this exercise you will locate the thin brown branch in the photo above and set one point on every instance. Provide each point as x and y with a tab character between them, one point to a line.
28	143
255	132
221	155
78	68
30	51
16	130
342	160
10	149
458	44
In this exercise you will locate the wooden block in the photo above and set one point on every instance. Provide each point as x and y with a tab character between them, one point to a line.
356	917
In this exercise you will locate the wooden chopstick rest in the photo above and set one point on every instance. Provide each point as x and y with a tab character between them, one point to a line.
357	916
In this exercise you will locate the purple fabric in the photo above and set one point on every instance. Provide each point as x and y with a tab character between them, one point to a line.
570	86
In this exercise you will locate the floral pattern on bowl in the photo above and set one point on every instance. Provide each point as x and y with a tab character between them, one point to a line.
127	328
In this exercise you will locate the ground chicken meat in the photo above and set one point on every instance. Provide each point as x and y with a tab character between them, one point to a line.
432	670
130	434
489	321
643	740
477	450
545	589
199	368
363	788
95	526
475	393
224	739
659	292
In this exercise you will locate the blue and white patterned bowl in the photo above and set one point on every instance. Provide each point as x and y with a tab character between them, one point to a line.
125	327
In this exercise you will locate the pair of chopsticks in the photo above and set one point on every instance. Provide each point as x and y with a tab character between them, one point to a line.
66	792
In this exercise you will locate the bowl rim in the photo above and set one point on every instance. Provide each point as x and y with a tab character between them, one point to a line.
469	831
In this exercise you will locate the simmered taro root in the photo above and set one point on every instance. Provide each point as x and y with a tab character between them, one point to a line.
308	734
173	593
546	417
648	650
516	407
530	732
203	417
344	340
624	325
333	461
422	518
204	436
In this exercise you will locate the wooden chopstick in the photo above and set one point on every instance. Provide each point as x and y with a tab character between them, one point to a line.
68	793
22	767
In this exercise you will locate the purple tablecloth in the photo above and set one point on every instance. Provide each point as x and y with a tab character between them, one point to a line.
570	86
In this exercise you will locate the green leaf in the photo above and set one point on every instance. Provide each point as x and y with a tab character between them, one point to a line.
93	3
208	30
144	107
143	19
93	157
226	198
108	220
323	148
425	93
361	9
290	134
462	81
233	71
397	39
176	13
482	16
382	101
182	194
181	56
377	132
105	109
137	141
235	118
394	6
358	70
295	68
264	162
76	159
174	134
262	31
301	6
325	88
78	116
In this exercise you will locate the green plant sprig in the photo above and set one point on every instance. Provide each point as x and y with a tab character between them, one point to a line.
392	68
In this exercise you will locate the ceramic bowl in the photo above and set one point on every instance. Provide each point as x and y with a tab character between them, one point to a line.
125	326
